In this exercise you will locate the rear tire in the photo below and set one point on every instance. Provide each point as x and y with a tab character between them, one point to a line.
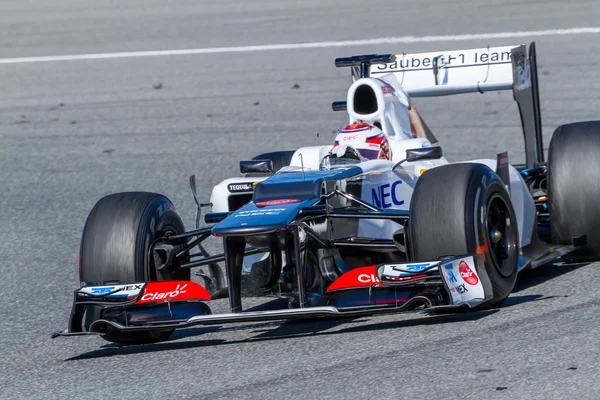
115	244
574	187
453	210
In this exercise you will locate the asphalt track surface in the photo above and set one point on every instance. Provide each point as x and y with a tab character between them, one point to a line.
73	131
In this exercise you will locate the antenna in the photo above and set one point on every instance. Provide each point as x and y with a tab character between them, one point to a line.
198	204
302	165
195	194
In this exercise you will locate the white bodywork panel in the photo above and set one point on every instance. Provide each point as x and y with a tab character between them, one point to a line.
221	193
310	157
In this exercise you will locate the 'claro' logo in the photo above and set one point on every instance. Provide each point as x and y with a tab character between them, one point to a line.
467	274
356	278
368	278
163	291
165	295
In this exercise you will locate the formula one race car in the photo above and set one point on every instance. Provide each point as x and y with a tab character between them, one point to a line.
379	221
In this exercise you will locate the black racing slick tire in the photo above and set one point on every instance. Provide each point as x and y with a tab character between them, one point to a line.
574	188
115	247
280	158
456	209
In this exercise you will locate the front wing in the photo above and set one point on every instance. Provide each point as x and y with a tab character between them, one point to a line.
180	304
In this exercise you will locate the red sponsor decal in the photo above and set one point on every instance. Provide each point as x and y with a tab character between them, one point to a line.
467	274
159	292
356	278
276	202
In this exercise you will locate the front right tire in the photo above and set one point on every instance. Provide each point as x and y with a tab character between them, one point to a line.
464	208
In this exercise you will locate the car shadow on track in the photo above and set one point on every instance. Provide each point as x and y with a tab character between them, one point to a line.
529	279
534	277
277	330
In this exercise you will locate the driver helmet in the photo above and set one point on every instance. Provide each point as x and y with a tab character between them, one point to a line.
369	142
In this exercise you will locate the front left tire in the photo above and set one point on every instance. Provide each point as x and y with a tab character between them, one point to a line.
115	248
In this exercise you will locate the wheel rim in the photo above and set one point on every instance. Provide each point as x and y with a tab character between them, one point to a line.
501	235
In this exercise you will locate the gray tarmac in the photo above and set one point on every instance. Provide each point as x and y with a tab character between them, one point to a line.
73	131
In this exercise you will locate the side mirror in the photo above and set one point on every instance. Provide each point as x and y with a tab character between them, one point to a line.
425	153
340	105
256	166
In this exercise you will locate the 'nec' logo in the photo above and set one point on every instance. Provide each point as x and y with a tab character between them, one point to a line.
382	195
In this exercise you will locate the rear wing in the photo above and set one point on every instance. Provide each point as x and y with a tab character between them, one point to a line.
443	73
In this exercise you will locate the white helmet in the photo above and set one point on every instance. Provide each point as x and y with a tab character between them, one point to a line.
368	140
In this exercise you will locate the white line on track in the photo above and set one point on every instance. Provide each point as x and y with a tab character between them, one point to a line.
311	45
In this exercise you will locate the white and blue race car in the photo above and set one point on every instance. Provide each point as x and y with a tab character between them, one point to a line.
337	234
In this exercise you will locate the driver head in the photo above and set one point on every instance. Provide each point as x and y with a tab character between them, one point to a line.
368	140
